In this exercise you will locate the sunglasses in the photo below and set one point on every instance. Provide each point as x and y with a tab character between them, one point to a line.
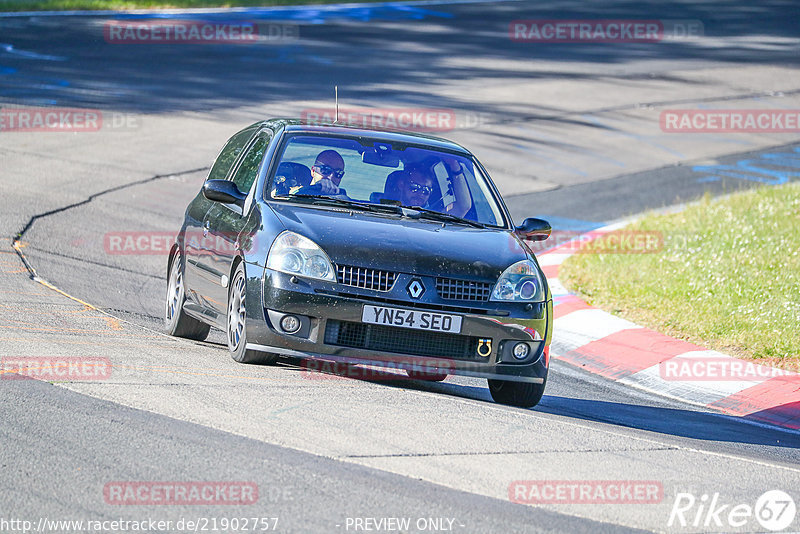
417	188
327	170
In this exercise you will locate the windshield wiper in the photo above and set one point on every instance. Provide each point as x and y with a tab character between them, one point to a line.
385	208
335	201
438	215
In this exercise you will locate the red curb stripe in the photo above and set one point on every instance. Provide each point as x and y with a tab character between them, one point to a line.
550	271
627	352
776	400
568	305
566	248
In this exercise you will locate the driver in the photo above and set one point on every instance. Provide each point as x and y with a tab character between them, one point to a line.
327	172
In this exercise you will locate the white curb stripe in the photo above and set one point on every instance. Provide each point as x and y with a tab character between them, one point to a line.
584	326
552	258
581	327
556	289
702	392
594	323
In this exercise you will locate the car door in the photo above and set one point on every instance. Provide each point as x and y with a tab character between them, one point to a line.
198	280
225	223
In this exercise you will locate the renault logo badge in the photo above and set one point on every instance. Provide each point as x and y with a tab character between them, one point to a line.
415	288
484	347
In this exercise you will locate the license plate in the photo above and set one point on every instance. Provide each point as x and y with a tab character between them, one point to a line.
420	320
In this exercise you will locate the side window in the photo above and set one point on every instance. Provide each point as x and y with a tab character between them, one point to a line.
248	170
229	153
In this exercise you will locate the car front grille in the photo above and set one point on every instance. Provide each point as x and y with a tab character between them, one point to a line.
401	340
365	278
452	289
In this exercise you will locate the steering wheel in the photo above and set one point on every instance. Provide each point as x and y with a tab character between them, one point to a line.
316	189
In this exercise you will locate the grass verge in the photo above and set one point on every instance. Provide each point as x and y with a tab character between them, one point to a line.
727	277
123	5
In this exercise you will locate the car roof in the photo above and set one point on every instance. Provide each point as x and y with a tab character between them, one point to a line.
301	126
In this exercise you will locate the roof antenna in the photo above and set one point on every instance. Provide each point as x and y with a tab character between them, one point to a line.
336	92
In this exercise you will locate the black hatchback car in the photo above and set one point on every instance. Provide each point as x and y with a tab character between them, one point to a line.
388	249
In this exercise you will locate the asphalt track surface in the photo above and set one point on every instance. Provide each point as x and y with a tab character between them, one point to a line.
569	132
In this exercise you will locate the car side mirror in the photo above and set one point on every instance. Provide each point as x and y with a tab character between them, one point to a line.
223	191
534	229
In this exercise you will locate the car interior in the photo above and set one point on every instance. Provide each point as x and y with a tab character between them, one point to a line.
290	176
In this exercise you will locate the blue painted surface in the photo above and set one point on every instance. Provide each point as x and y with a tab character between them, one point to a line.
769	169
785	159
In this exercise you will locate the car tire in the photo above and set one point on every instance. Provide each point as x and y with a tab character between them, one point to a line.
521	394
235	321
177	323
428	377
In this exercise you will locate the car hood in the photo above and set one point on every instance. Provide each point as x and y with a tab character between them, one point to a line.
419	246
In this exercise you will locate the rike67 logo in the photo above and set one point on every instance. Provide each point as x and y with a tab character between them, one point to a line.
774	511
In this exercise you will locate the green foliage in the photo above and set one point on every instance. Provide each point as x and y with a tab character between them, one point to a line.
728	276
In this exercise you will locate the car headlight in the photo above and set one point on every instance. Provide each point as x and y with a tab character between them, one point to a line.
520	282
294	254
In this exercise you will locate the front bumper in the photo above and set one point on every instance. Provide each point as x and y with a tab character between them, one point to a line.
488	333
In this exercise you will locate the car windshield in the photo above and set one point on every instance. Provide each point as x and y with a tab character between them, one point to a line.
380	172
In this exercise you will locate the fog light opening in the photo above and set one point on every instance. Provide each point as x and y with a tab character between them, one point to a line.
521	351
290	324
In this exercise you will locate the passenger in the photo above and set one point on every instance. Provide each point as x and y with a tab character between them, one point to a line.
415	186
290	177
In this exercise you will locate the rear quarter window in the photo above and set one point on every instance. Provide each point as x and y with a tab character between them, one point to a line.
229	153
248	170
